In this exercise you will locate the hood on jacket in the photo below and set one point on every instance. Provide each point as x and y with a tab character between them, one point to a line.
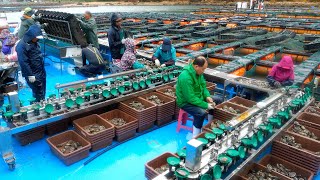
114	17
33	32
286	62
25	17
4	33
129	43
29	11
166	45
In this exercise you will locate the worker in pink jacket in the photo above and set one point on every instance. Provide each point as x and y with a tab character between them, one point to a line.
13	55
282	74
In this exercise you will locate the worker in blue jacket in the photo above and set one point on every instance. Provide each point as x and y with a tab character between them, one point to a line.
116	36
165	54
31	62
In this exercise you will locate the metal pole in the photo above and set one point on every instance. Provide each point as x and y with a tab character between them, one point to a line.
58	86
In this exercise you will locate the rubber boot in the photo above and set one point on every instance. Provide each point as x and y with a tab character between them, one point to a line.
195	131
210	117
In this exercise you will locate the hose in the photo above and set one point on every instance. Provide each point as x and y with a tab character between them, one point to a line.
119	143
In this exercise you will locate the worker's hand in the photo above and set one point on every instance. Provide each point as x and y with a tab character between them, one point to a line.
163	65
123	41
157	62
210	106
277	84
46	24
209	100
32	79
148	67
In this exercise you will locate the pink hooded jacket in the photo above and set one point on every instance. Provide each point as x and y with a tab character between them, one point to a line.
13	56
129	57
283	71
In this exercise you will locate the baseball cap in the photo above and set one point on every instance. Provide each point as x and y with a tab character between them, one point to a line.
166	45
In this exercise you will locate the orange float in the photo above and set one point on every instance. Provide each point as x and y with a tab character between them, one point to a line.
178	54
239	72
217	61
309	79
247	51
296	57
195	47
211	45
167	21
228	51
268	57
152	20
231	25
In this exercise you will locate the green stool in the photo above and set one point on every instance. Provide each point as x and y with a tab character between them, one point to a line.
69	103
48	109
206	177
217	172
234	154
9	116
79	101
87	96
106	94
225	161
204	141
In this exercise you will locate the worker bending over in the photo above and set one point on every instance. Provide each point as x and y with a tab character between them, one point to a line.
96	63
193	95
165	54
89	26
282	74
31	62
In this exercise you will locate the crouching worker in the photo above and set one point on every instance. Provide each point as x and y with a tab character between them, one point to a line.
282	74
165	54
192	93
129	60
96	63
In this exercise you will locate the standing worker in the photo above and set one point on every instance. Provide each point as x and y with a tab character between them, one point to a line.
253	5
193	95
31	62
116	36
96	62
89	27
27	20
165	54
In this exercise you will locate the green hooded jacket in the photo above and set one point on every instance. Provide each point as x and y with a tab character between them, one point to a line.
89	27
24	26
191	88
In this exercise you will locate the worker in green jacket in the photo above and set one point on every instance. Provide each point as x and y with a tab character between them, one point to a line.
89	27
28	19
193	95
